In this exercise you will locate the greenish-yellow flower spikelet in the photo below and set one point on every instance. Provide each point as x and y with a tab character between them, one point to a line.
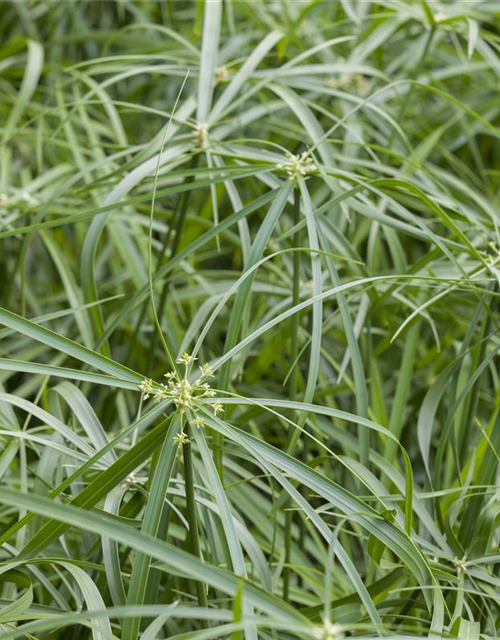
181	438
298	165
186	395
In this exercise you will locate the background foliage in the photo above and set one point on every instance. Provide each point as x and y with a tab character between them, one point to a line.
346	297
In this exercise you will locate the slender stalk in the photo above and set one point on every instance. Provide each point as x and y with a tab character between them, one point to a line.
159	481
171	242
194	539
293	383
173	239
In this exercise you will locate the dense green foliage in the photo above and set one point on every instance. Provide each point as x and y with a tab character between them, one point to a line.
303	196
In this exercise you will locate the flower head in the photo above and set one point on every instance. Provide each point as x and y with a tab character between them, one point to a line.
181	391
207	371
186	359
298	165
181	438
202	134
493	258
161	393
4	200
345	80
147	388
128	481
217	407
329	631
221	74
460	564
198	422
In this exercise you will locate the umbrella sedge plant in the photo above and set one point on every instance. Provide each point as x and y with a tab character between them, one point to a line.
249	323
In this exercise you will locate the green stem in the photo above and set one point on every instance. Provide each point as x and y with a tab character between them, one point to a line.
194	540
293	384
173	238
168	242
159	481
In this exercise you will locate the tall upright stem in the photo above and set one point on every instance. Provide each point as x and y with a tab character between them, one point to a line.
194	540
293	382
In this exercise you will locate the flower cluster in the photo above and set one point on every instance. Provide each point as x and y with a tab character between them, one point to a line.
6	202
201	134
130	480
329	631
460	564
493	258
184	394
181	438
221	74
298	165
355	82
